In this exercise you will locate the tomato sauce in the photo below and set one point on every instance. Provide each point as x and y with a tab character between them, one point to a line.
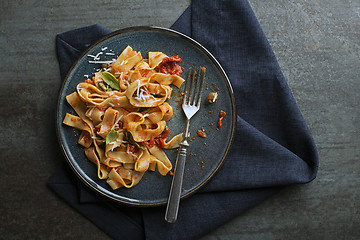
130	148
201	133
159	140
103	108
169	65
89	81
222	114
151	142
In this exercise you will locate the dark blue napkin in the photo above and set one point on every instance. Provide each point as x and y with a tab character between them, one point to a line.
273	147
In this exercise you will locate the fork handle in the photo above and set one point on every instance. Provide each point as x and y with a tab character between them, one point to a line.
176	184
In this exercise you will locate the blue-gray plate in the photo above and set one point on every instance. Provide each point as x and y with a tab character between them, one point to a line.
207	154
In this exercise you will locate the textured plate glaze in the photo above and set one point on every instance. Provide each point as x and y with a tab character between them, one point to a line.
207	154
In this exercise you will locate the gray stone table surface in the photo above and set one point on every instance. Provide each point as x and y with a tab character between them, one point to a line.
317	44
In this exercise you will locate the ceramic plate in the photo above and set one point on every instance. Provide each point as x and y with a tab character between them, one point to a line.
207	154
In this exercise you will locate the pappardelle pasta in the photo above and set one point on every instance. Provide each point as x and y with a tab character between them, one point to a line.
122	114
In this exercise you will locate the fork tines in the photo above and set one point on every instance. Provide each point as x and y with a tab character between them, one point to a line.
194	91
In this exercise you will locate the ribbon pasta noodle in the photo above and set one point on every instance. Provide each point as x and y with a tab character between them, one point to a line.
122	114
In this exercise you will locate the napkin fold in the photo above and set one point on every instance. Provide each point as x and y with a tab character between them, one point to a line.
272	148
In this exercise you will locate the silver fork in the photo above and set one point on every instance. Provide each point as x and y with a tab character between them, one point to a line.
190	106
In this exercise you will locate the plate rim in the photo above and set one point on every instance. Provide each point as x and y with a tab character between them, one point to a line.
137	29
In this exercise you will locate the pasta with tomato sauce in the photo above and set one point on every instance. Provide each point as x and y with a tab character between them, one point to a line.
122	114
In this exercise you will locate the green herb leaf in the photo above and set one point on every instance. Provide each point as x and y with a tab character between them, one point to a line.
110	80
139	146
129	138
112	136
125	137
103	87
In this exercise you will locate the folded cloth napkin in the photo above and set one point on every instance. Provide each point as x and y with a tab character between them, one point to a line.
272	148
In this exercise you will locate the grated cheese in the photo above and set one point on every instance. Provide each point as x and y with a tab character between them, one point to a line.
215	97
141	96
116	122
91	56
102	61
124	62
114	143
97	56
156	100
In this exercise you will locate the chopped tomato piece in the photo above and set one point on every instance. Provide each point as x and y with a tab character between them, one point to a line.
130	148
160	142
87	139
222	114
151	142
169	65
89	81
164	134
201	133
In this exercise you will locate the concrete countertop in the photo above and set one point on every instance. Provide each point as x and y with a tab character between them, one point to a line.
317	44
